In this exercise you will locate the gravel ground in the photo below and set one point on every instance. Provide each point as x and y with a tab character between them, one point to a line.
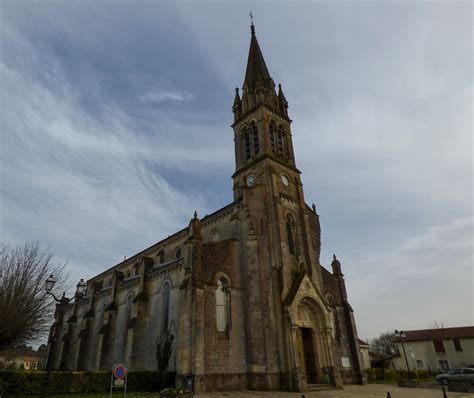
368	391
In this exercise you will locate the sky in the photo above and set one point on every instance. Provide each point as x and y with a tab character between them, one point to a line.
115	127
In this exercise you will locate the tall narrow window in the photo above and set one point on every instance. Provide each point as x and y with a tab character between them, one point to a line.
178	253
256	142
165	307
292	236
280	143
337	330
222	305
128	316
273	136
248	149
161	256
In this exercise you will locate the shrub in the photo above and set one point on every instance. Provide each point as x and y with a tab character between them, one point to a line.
68	382
380	374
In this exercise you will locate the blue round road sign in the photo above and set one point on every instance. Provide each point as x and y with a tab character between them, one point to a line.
120	371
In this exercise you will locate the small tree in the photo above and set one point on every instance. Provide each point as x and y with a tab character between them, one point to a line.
385	344
437	325
26	310
164	346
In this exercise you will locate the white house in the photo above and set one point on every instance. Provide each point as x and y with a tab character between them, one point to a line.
437	349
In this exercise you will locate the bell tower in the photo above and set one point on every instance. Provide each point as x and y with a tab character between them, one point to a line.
261	123
266	178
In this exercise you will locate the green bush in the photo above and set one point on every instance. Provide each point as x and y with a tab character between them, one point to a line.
379	374
67	382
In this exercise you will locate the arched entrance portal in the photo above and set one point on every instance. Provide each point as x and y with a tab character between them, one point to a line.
312	346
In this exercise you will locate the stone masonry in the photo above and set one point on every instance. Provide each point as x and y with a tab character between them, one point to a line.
237	299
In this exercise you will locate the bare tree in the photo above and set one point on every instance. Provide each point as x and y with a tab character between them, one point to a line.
437	325
25	308
385	344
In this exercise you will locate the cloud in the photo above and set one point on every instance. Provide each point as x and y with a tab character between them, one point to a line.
411	283
166	96
106	149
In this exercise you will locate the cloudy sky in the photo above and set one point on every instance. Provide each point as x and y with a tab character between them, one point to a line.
115	128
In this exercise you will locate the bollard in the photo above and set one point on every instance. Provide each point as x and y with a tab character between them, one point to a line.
444	393
388	395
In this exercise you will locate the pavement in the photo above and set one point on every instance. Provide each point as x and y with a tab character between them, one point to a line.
351	391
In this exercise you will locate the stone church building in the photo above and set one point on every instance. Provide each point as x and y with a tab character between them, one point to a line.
237	299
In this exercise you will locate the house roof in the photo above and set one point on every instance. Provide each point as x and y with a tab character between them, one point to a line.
444	333
363	343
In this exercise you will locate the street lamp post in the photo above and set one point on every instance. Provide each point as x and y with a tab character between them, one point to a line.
401	335
61	303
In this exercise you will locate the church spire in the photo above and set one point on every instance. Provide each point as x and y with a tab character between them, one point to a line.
257	73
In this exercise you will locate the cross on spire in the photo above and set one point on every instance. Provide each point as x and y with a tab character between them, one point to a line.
252	26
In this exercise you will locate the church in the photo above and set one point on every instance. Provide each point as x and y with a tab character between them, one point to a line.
237	299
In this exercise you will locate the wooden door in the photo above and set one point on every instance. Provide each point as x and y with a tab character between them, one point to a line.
309	354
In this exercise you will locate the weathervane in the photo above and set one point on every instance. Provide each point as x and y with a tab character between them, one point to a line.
251	18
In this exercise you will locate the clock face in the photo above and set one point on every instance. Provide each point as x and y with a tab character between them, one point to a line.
250	180
285	180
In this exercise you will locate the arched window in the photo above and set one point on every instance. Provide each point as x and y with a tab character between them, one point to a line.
256	142
337	329
292	235
282	143
99	319
214	236
161	256
248	149
273	136
165	307
178	252
222	305
128	274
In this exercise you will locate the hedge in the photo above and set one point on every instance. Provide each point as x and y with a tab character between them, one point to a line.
379	374
32	382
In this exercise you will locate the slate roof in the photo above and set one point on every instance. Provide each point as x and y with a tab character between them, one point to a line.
444	333
257	71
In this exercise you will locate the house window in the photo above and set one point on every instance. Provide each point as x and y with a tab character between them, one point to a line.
457	345
178	253
222	305
439	346
165	307
419	364
443	365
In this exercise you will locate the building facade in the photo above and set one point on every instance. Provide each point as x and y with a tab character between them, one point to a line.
437	350
237	299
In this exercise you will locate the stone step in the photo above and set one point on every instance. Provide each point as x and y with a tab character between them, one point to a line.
319	387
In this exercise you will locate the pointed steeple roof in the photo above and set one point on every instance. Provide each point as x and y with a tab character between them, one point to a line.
257	72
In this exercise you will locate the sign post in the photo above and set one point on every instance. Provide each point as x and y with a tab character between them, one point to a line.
119	378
